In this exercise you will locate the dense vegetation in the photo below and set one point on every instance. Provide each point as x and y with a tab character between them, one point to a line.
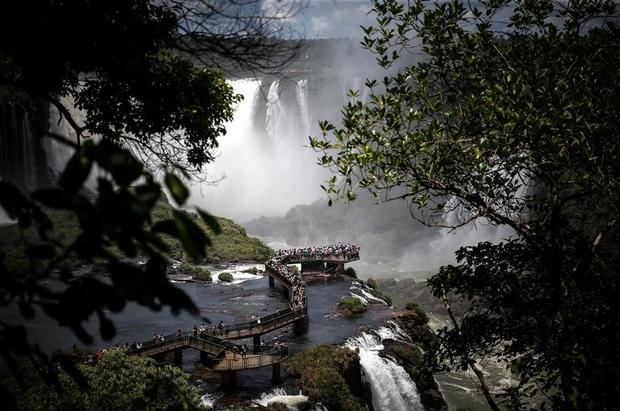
196	272
329	375
352	306
143	75
116	382
420	358
509	117
376	292
225	277
230	245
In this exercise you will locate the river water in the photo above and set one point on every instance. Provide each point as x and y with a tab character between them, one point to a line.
249	295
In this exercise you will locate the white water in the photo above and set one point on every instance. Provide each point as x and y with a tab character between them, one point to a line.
392	388
302	101
264	167
279	395
366	297
208	401
275	111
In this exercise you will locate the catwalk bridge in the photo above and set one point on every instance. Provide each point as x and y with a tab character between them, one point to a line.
220	353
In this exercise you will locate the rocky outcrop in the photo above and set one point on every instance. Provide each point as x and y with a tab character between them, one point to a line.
331	376
418	358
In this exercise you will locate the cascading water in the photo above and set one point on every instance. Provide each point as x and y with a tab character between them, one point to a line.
275	111
392	388
58	154
302	101
265	166
279	396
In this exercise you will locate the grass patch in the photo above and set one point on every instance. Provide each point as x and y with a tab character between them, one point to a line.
352	306
232	245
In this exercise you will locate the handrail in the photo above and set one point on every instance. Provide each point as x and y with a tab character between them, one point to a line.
217	345
251	361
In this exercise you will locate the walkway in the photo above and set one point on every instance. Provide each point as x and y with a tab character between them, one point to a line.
223	354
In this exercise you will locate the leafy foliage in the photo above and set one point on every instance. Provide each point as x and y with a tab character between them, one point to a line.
323	373
117	381
225	277
135	71
352	306
198	273
372	283
374	290
419	311
515	127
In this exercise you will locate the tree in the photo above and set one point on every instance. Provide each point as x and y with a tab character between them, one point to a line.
510	121
117	381
146	76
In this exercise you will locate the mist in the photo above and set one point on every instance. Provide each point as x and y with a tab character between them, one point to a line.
266	177
263	165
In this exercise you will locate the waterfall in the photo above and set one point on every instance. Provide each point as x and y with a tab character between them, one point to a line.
263	166
391	386
58	154
20	161
302	102
275	110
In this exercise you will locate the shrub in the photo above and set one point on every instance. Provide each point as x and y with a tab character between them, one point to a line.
203	275
251	270
380	294
225	277
350	272
352	306
197	273
372	283
419	311
322	372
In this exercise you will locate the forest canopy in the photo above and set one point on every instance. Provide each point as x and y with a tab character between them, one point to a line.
141	84
509	117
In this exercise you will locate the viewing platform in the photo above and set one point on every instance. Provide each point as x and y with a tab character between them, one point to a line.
220	354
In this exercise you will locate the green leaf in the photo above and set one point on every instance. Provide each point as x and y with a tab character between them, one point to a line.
125	169
76	172
193	239
53	198
106	328
41	252
210	221
177	188
183	228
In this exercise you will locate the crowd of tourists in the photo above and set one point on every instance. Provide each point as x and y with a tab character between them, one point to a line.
347	250
282	257
280	265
